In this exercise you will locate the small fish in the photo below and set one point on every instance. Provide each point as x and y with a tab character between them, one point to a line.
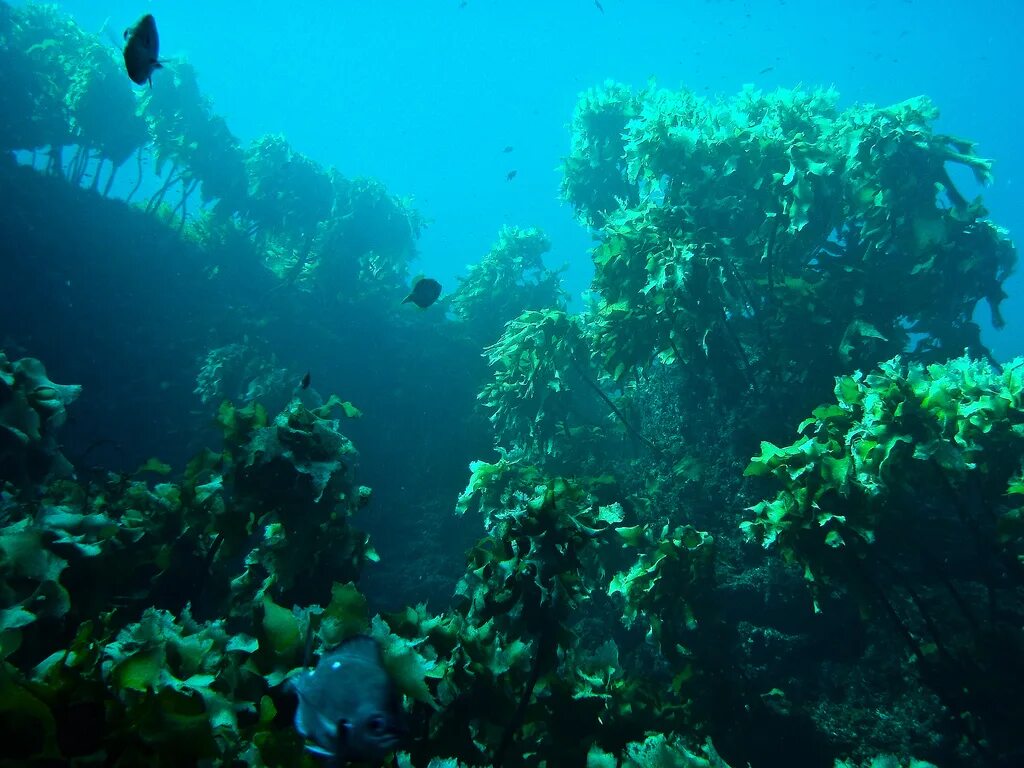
348	706
508	149
510	175
304	384
424	292
142	50
766	70
599	6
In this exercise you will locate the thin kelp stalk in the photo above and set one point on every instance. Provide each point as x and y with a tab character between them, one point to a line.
768	257
614	408
207	570
741	353
110	179
672	327
138	180
922	610
954	593
936	568
983	552
766	340
72	170
547	649
187	188
914	646
55	160
88	158
302	260
100	160
80	164
172	178
524	701
76	169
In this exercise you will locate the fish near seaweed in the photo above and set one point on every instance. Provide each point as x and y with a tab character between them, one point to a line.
142	50
424	292
348	706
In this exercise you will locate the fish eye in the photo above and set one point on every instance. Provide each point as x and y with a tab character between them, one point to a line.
376	724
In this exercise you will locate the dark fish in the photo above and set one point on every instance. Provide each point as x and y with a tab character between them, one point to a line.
424	292
508	149
142	50
766	70
348	706
599	6
304	384
510	175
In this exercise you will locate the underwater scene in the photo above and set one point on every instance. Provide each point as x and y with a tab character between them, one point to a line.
466	383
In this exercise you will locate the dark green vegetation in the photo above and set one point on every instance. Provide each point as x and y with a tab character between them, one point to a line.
758	260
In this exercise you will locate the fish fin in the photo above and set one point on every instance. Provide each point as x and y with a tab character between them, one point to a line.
157	64
330	726
407	299
319	751
127	32
150	82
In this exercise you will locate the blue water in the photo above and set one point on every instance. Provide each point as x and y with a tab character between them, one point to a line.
425	95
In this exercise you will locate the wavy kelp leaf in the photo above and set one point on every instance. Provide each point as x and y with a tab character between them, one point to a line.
661	751
408	668
10	642
345	616
483	476
155	466
14	618
238	423
855	333
11	622
350	411
669	586
26	560
281	628
86	532
142	671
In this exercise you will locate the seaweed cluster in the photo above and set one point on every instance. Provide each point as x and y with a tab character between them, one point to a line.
149	610
509	279
758	259
32	409
770	242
